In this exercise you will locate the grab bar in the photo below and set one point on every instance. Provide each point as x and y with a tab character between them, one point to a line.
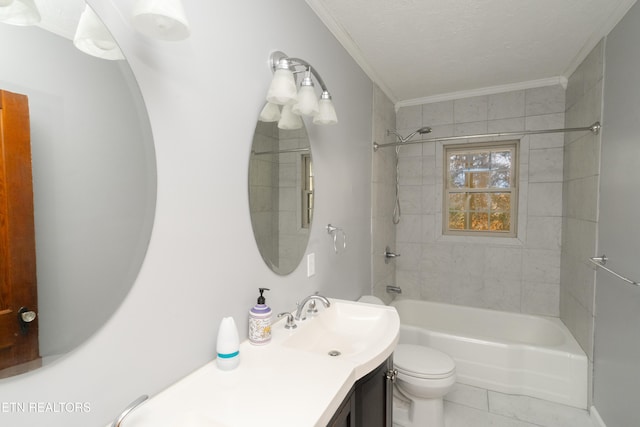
600	261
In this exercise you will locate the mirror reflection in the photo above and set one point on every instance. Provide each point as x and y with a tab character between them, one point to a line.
281	194
94	185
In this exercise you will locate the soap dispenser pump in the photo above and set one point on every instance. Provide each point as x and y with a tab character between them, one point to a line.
260	321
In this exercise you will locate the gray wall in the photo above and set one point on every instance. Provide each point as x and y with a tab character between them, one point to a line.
580	201
617	321
204	95
93	179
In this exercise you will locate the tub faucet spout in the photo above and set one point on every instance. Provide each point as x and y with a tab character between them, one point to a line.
314	297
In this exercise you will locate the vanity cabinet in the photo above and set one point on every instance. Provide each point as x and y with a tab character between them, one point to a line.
370	401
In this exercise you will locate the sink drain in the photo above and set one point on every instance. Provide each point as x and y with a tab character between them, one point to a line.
334	353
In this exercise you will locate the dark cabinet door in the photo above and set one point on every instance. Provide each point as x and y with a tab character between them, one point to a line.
374	397
345	415
370	401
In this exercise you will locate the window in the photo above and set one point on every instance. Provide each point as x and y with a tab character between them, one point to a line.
480	190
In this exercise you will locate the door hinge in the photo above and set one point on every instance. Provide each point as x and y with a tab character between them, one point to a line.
391	375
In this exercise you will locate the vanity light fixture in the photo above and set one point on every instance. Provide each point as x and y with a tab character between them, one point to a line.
270	113
93	38
288	119
282	91
19	12
161	19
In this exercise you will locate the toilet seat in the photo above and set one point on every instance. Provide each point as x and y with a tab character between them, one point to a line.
422	362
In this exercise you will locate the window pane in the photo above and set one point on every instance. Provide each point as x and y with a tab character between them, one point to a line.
501	159
500	221
456	220
479	202
501	178
457	164
457	179
501	202
480	161
457	201
479	179
479	221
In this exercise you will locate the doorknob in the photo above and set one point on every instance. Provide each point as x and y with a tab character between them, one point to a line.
25	317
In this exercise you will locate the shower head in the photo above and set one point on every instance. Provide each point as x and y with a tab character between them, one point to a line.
421	131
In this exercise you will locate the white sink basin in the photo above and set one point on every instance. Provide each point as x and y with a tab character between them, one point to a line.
364	334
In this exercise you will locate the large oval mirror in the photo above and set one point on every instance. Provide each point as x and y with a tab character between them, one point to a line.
94	186
281	194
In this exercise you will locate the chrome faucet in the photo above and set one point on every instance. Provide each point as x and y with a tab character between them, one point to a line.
128	409
304	302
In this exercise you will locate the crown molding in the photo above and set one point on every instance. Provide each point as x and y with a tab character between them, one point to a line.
491	90
349	45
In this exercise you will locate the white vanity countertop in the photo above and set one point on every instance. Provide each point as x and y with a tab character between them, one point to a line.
273	386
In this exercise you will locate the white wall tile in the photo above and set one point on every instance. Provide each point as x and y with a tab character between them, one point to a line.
438	113
503	262
541	299
470	128
546	165
476	271
473	109
411	199
544	100
545	199
541	265
409	117
409	230
506	105
544	232
505	125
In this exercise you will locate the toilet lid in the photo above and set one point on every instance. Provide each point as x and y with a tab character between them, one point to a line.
422	362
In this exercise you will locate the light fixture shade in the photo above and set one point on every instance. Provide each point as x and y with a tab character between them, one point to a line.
307	102
288	120
93	38
161	19
282	90
270	113
327	114
19	12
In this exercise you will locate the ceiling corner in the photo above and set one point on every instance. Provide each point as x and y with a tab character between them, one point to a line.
349	45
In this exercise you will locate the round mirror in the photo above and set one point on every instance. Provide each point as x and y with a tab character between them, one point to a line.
94	189
281	194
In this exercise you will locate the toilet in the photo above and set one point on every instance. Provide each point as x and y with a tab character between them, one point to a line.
424	377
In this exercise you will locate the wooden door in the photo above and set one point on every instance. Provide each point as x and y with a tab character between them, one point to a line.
18	331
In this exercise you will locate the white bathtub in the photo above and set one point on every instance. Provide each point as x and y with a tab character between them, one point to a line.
506	352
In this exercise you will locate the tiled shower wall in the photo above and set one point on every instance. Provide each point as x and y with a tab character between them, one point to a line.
521	274
580	204
383	194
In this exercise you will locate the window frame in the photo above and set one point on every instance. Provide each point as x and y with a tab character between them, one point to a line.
447	149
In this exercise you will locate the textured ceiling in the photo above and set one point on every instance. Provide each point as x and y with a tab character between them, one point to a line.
416	49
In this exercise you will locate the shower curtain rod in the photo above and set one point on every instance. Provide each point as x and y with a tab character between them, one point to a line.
595	128
290	150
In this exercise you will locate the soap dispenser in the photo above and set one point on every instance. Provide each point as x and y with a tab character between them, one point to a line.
260	321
